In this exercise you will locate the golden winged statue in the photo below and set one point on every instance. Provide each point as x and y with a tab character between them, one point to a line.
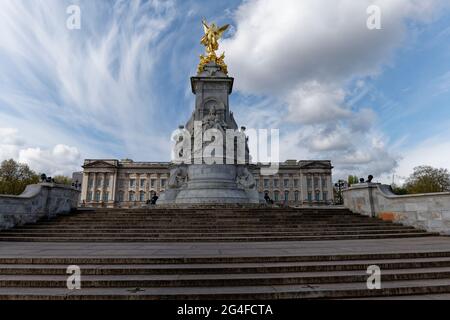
211	42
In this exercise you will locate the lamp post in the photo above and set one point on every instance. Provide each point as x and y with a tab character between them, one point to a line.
340	186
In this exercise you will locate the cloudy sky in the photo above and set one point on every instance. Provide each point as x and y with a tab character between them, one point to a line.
373	101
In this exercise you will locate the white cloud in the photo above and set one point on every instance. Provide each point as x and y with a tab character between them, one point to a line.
59	160
96	81
314	103
330	138
433	152
9	143
308	53
281	44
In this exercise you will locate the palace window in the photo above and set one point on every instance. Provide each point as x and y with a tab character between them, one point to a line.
316	183
266	183
309	183
107	182
295	183
99	182
296	195
277	196
97	196
142	196
286	196
121	197
286	183
142	183
325	196
310	196
275	183
89	196
106	196
90	182
131	196
121	183
132	183
324	183
152	183
317	196
163	183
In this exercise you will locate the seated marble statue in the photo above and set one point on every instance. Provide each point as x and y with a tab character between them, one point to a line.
212	120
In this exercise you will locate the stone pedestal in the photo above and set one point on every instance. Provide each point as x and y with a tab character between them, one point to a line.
211	184
198	182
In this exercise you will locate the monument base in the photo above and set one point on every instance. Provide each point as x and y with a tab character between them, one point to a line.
209	184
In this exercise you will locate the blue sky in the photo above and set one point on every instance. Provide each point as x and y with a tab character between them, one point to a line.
372	101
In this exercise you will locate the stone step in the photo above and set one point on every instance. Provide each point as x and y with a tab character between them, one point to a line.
218	216
156	210
288	228
180	232
431	264
62	238
217	280
234	215
443	296
305	225
213	260
241	275
230	220
322	291
215	221
166	234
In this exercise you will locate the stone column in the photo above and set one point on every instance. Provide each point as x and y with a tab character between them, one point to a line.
304	190
330	183
321	187
84	186
113	186
94	187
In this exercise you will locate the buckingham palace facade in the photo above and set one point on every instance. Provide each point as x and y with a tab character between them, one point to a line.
125	183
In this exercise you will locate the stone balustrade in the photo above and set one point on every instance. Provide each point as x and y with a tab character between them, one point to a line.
430	212
36	202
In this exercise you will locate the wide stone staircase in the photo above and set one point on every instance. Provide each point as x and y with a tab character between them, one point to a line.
237	273
206	225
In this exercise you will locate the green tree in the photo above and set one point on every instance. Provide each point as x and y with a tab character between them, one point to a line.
63	180
399	190
14	177
426	179
352	180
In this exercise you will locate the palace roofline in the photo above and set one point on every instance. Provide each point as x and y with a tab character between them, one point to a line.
130	163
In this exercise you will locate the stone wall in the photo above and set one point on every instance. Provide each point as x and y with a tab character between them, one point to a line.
430	212
36	202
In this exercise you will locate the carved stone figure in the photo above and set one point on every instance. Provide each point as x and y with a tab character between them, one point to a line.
178	178
244	178
213	121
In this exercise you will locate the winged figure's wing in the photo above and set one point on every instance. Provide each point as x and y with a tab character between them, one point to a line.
222	29
205	26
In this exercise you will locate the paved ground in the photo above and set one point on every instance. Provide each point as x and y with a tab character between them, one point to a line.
43	249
